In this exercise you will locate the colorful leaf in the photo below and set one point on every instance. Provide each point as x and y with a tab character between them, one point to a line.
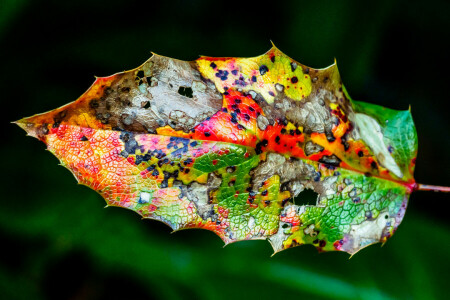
227	144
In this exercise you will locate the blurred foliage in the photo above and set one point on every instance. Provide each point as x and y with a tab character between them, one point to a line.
58	242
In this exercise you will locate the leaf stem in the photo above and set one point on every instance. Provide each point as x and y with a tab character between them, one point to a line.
434	188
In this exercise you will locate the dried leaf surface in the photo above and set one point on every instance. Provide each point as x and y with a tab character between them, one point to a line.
226	144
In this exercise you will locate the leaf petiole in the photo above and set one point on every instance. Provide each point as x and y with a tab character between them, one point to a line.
435	188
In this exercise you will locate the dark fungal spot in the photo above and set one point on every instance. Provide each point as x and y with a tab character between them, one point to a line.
193	144
272	58
84	138
254	78
264	193
104	118
130	142
234	118
294	79
224	109
317	176
181	146
163	161
185	91
223	75
145	104
332	160
356	200
240	81
344	141
240	127
43	130
234	72
167	176
231	169
246	117
277	139
259	145
58	118
329	133
188	161
94	104
279	87
283	203
322	243
142	158
282	121
155	173
207	133
267	202
263	69
251	108
107	91
293	66
373	164
213	65
283	131
390	149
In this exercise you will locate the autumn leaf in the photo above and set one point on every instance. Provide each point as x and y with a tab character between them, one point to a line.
227	144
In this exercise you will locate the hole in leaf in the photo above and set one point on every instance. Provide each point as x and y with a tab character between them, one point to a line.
185	91
307	197
140	74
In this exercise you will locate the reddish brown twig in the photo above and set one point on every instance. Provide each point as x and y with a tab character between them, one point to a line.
435	188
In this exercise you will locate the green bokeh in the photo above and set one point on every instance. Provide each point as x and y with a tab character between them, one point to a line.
59	243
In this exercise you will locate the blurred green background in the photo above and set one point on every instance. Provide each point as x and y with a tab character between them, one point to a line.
58	242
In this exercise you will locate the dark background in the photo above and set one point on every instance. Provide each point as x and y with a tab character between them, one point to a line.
58	242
